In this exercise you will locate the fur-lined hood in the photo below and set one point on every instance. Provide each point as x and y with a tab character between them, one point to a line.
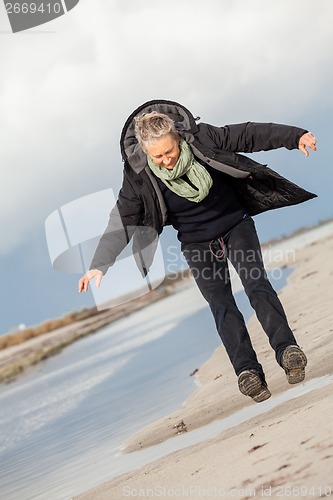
185	124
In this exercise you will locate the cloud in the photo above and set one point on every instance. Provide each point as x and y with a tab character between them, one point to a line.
64	96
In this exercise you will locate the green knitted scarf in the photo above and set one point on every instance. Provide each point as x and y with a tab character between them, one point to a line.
186	164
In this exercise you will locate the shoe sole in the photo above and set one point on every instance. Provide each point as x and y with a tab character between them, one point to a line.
251	385
294	362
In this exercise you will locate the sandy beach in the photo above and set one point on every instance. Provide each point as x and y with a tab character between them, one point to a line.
285	451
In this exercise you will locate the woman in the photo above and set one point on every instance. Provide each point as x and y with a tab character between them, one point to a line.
192	176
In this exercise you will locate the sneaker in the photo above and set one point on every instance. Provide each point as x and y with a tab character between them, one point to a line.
293	362
252	384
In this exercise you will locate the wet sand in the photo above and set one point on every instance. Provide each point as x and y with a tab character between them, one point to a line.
283	452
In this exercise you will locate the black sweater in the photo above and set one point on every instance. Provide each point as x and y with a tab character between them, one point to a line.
212	217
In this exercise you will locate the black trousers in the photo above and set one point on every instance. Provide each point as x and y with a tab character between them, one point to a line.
211	273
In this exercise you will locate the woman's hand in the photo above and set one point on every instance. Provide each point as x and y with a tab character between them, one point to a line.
309	140
92	274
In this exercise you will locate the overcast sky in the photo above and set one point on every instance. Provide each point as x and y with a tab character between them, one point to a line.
67	87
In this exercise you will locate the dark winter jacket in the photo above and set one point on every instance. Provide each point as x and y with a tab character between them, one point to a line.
140	210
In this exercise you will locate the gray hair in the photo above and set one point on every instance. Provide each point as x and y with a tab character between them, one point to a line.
149	127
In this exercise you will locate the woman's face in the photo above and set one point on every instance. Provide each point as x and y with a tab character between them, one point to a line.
164	152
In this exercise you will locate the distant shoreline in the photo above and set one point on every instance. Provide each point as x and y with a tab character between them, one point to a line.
297	232
22	352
